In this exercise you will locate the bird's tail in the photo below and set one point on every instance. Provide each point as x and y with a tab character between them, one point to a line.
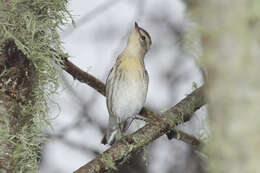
109	137
114	131
112	127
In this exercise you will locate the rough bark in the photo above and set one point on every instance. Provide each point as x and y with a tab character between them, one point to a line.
16	85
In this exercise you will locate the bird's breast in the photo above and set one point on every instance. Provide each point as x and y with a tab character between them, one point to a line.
130	64
129	92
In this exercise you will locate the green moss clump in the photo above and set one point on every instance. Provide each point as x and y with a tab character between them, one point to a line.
29	79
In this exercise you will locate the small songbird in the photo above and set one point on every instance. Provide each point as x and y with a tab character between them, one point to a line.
127	83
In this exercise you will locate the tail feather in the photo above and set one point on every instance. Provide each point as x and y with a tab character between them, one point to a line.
115	129
112	127
109	137
104	140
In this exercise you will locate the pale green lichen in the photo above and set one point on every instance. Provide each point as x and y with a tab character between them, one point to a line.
108	162
32	25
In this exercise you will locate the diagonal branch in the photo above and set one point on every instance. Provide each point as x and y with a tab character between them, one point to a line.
118	153
84	77
96	84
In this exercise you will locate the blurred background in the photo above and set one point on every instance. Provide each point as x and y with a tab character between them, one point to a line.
80	116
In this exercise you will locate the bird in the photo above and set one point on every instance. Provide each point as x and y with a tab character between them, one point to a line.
127	84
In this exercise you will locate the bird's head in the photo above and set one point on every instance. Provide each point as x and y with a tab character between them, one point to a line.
139	40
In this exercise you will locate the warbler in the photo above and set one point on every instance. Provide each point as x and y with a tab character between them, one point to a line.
127	83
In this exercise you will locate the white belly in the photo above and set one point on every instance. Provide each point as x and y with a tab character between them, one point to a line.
128	99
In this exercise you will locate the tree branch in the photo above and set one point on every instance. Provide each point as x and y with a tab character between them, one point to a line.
180	135
96	84
84	77
118	153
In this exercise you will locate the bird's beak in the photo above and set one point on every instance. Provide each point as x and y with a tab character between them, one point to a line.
136	26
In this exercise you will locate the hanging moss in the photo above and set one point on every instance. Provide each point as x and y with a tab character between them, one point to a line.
29	75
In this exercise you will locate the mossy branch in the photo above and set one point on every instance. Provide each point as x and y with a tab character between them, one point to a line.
29	75
150	132
99	86
168	120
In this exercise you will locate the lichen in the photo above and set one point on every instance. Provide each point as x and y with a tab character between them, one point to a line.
29	75
108	162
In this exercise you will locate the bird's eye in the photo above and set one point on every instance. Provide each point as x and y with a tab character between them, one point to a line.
143	38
